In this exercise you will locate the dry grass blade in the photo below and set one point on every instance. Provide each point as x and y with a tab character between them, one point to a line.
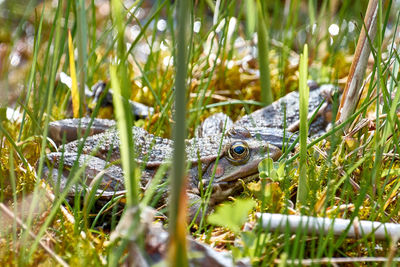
74	85
50	196
351	92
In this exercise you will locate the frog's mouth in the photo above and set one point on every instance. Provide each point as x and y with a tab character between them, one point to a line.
226	177
223	189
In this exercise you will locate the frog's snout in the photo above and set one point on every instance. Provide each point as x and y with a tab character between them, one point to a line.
268	150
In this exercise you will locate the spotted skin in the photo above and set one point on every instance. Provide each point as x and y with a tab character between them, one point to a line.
224	159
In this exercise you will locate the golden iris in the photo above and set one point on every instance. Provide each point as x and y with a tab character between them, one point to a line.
239	152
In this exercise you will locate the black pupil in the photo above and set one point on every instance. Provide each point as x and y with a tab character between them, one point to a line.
238	149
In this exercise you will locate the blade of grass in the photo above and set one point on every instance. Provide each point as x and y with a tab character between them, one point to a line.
263	56
390	124
122	91
250	18
76	173
202	100
82	33
55	208
92	42
76	103
14	192
177	253
376	27
127	153
302	191
157	180
32	72
336	127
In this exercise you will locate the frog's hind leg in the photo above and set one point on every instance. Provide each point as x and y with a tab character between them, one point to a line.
98	174
72	129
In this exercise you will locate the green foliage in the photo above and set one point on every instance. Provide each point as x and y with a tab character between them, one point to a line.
232	215
273	170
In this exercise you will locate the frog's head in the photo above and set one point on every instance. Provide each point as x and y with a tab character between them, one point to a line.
238	162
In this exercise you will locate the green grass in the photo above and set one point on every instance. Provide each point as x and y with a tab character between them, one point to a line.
303	187
207	75
177	253
263	54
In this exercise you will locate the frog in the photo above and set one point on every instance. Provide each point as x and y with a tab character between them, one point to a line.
223	155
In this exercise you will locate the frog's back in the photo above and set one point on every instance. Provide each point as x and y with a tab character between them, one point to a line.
151	149
272	115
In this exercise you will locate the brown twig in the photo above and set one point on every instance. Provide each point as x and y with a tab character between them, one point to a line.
335	261
352	90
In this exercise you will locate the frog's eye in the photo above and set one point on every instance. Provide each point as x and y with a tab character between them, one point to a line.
238	152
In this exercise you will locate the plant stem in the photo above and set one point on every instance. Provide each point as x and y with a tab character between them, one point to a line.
177	208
